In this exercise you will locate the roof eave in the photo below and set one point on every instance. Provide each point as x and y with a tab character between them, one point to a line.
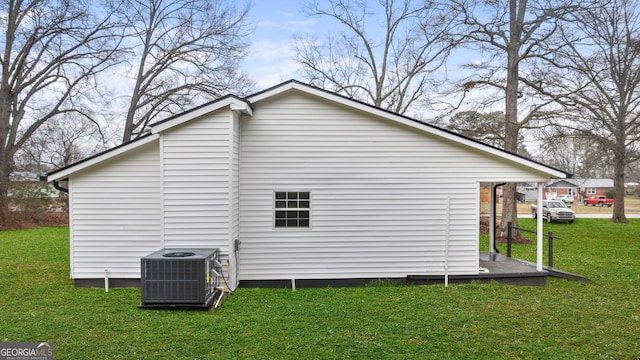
64	172
233	102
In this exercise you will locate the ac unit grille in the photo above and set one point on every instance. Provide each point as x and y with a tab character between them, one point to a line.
180	280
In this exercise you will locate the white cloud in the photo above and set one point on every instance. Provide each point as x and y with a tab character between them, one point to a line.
271	62
302	23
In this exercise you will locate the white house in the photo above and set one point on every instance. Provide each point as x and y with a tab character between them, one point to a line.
312	184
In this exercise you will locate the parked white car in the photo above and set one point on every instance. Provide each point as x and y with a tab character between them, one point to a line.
567	199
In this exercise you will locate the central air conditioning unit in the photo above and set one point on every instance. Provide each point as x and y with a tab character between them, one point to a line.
183	278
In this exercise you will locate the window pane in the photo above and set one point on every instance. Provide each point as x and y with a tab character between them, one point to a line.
286	214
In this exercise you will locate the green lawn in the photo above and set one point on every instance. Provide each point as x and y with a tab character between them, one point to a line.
564	320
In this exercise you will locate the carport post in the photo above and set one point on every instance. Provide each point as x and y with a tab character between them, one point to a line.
492	217
539	229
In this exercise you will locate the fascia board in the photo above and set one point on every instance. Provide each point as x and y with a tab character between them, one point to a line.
65	172
233	103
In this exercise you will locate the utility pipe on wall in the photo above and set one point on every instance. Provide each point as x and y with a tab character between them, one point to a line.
446	241
539	229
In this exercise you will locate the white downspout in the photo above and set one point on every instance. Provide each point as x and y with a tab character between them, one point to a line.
446	241
539	229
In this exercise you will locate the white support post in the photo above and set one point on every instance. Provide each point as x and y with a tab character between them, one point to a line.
492	218
539	228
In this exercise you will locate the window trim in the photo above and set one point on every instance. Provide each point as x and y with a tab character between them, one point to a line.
275	209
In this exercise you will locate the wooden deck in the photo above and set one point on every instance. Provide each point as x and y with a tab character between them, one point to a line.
502	269
496	267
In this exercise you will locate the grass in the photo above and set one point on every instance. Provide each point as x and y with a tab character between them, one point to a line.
564	320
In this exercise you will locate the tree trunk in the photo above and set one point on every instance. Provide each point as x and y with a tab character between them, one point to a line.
511	128
509	208
618	186
6	156
5	171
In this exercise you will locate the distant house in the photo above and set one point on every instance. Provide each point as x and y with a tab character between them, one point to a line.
528	191
26	191
580	188
314	185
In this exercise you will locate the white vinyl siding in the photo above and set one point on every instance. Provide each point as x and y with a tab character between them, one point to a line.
195	162
115	214
379	193
378	184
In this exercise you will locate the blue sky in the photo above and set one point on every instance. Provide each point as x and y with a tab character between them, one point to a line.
270	57
269	61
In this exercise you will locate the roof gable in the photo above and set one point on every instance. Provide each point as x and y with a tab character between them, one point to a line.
564	183
244	105
294	85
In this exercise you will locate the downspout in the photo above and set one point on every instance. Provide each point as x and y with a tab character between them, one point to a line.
539	234
446	241
56	184
492	238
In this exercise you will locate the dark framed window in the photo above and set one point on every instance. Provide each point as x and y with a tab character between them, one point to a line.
292	209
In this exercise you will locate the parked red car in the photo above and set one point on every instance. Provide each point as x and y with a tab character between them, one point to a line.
599	200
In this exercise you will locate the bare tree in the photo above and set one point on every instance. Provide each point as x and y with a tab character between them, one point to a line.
601	60
51	52
59	143
484	127
389	63
568	149
512	33
181	51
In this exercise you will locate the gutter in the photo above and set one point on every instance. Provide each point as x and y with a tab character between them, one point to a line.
56	184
